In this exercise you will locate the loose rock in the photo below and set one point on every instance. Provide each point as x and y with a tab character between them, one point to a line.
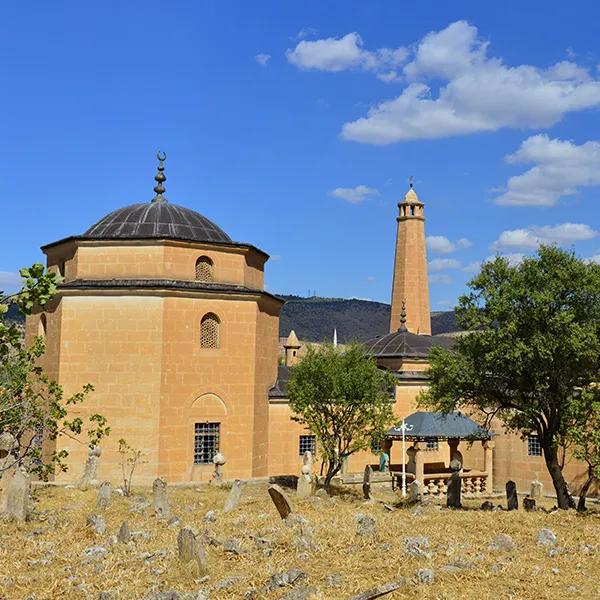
366	525
546	537
425	576
97	523
503	543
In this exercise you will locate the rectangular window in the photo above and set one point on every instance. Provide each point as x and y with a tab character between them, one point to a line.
432	445
533	446
206	442
308	442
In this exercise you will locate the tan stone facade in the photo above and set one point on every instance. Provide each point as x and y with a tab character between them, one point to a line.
136	338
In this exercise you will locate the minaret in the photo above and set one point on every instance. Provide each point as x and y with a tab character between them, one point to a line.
410	268
292	346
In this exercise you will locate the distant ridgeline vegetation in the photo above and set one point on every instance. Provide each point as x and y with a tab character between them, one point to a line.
314	319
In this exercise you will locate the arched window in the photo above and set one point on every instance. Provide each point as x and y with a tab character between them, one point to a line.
204	269
42	326
209	331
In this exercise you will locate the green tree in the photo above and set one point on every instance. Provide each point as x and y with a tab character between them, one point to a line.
32	406
532	344
584	437
343	399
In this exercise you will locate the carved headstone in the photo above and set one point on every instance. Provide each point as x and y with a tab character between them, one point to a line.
537	490
162	510
512	500
190	548
218	460
453	493
90	471
280	501
415	492
17	495
104	495
529	504
305	487
367	482
234	495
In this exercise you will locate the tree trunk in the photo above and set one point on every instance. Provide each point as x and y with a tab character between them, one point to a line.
585	489
332	470
563	496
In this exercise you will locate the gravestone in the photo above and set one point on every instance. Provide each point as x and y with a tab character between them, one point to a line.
415	492
453	493
305	486
104	494
8	466
217	477
17	495
90	471
234	495
366	487
124	534
162	510
537	490
190	548
280	501
529	504
512	500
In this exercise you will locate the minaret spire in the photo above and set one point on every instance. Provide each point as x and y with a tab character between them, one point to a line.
160	178
410	284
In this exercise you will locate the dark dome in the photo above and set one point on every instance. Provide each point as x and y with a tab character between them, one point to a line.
157	220
403	343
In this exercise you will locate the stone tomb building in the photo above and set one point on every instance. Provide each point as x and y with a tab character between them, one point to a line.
168	318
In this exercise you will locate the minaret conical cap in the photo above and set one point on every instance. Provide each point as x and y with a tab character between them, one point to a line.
292	341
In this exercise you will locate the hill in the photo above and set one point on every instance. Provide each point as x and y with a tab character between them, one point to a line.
314	319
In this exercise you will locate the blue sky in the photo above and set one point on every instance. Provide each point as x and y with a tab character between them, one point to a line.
296	125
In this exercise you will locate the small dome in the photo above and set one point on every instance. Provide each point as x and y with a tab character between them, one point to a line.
157	220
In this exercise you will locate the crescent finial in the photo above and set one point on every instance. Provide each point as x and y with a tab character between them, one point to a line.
161	155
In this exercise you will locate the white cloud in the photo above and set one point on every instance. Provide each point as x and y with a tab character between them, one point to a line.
306	32
477	93
595	259
560	167
440	264
10	282
347	52
439	244
513	258
262	59
531	237
354	195
472	267
276	257
445	303
440	278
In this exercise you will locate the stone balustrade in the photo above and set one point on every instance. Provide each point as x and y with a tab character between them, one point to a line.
474	484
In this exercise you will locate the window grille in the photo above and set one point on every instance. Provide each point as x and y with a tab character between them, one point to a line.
375	445
432	445
209	331
307	442
533	446
206	442
204	269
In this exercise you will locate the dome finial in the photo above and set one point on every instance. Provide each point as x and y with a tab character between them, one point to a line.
403	314
410	182
411	195
160	178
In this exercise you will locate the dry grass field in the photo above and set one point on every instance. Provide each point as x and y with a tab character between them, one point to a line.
45	559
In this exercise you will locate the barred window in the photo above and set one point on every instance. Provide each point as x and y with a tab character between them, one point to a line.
533	446
209	331
204	269
307	442
432	445
206	442
375	445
